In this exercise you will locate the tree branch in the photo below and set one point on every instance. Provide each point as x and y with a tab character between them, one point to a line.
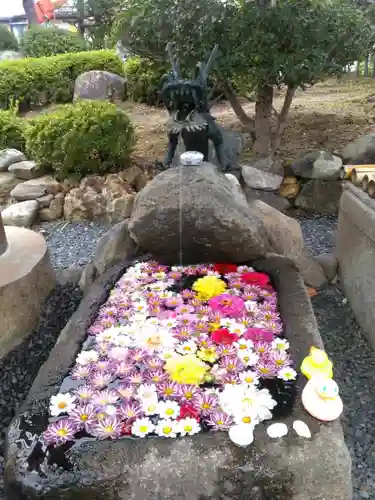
282	117
245	120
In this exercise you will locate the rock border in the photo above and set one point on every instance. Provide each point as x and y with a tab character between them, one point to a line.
156	469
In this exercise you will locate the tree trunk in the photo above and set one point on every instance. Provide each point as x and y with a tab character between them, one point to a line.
263	128
28	7
366	65
373	66
230	94
282	117
358	70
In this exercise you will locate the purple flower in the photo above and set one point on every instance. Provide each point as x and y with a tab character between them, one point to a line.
186	392
118	353
130	410
226	350
280	359
123	369
155	376
134	378
83	417
205	403
262	348
265	369
231	378
84	393
265	315
102	366
106	397
184	309
231	364
154	363
173	302
81	372
182	333
60	432
168	390
219	421
187	294
99	380
227	305
110	427
273	326
138	355
126	391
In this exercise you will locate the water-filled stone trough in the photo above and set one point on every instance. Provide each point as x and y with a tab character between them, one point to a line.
134	462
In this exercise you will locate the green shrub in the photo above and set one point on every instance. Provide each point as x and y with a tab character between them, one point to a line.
37	82
7	39
12	130
143	79
42	41
89	137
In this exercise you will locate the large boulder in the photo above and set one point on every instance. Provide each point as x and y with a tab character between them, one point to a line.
318	165
8	157
197	214
258	179
289	468
361	151
99	85
21	214
317	196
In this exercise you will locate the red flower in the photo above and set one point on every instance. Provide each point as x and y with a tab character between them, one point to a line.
188	411
223	336
126	428
259	279
225	268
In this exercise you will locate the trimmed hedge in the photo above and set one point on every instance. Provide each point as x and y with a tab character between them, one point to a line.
143	79
40	41
37	82
89	137
12	130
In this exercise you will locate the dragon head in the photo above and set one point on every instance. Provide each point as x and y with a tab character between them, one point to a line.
184	99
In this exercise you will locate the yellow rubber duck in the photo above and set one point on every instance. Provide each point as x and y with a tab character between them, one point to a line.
317	364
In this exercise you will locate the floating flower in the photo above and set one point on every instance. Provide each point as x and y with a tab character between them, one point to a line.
219	421
110	427
107	397
99	379
249	377
188	411
186	369
208	287
266	369
188	347
187	392
167	428
208	354
167	389
60	432
225	268
83	417
280	344
248	357
287	374
205	403
125	391
228	305
87	357
81	372
155	376
280	359
253	278
130	410
223	336
62	403
258	334
168	409
188	427
147	391
84	394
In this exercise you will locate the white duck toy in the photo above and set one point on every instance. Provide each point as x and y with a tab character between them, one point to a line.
321	399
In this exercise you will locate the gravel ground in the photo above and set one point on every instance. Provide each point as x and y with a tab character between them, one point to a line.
72	244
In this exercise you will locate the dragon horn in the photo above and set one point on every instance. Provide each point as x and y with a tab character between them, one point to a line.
209	64
174	62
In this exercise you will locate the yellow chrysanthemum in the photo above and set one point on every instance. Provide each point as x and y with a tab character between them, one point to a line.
186	369
208	287
209	354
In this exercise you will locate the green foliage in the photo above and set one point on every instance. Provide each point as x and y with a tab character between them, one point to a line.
40	81
295	42
12	130
7	39
143	79
89	137
39	41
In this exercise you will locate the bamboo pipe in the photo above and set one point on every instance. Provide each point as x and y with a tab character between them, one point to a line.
365	181
371	189
345	173
3	237
358	175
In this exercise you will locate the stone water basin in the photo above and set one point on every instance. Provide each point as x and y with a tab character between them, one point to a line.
205	466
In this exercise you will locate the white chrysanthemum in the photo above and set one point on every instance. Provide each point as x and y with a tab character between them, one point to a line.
280	344
248	417
154	338
188	347
211	272
188	427
168	409
142	427
243	344
147	392
158	286
123	341
251	306
249	377
86	357
228	323
167	428
108	335
248	357
110	410
150	406
287	373
140	308
118	353
238	328
264	404
61	403
169	323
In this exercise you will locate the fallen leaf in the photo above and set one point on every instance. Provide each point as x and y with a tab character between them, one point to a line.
311	292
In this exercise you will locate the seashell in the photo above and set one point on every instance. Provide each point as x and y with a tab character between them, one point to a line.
277	430
241	435
301	429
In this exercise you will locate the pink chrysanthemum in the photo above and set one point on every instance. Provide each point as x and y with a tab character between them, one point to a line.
155	376
84	394
154	363
81	372
130	410
186	393
110	427
168	390
280	359
106	397
205	403
99	380
123	369
126	391
266	369
219	421
60	432
231	364
83	417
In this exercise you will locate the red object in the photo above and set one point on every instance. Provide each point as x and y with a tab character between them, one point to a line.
223	336
188	411
225	268
45	9
126	428
259	279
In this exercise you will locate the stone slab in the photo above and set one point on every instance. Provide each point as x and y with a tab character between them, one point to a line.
356	255
26	278
22	214
25	170
207	466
